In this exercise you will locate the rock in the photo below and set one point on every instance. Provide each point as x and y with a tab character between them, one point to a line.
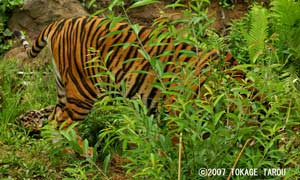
34	15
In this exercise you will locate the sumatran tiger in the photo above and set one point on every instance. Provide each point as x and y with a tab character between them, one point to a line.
71	41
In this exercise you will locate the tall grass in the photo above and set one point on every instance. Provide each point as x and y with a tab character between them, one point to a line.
22	89
10	93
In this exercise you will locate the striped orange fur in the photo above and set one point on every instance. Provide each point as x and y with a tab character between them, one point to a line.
71	40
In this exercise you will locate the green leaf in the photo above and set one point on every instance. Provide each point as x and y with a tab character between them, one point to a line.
217	117
136	28
232	116
145	54
257	33
141	3
106	163
7	32
115	3
91	3
218	99
86	147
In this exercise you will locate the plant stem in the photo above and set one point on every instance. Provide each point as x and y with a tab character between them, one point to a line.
238	158
179	156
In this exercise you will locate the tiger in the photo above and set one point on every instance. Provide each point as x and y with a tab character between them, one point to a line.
71	41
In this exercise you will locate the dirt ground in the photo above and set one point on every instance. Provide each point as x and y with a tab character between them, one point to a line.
222	15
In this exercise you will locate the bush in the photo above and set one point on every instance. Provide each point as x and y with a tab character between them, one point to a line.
6	7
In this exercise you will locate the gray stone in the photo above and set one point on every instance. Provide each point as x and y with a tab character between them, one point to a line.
34	15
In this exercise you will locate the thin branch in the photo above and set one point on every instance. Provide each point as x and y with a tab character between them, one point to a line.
238	158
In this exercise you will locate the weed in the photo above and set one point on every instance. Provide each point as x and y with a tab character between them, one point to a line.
6	6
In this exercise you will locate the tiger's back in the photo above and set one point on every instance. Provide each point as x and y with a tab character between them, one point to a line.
83	48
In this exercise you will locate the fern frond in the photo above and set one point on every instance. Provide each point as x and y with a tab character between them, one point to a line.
287	22
286	11
258	32
286	15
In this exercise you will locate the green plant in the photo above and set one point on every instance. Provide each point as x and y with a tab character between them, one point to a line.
10	93
85	171
258	32
285	25
6	6
226	3
21	89
5	34
22	156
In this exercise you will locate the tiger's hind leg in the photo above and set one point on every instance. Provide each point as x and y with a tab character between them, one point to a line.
80	99
75	101
57	113
62	116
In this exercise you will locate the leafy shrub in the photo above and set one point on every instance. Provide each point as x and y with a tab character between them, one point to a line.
258	32
6	6
286	26
269	32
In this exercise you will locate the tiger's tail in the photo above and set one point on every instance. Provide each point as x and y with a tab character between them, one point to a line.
36	48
